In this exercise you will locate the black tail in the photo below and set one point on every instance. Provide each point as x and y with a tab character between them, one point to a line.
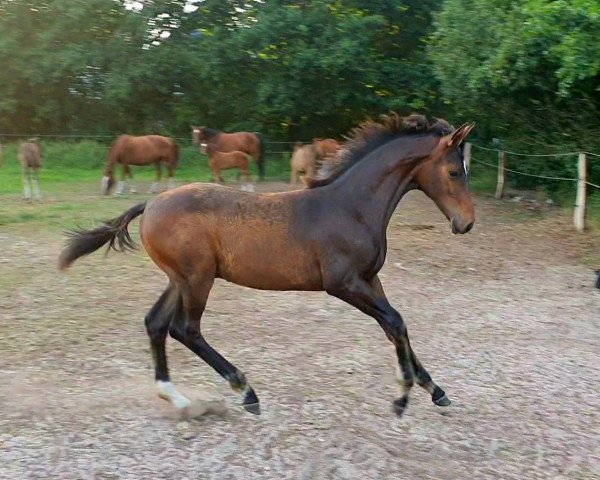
114	232
260	161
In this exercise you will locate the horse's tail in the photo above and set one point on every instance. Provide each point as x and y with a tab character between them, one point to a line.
114	232
260	161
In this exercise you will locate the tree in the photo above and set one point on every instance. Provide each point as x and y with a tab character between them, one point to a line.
522	68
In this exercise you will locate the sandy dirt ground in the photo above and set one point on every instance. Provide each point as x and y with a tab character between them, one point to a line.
506	319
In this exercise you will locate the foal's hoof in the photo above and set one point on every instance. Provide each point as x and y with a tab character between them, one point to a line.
253	408
250	402
439	398
399	405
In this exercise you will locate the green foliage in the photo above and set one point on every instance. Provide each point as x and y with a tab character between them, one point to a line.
528	72
289	69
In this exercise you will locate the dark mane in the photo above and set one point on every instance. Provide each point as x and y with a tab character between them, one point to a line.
370	135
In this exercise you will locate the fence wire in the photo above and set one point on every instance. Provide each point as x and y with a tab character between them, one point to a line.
519	154
546	177
281	152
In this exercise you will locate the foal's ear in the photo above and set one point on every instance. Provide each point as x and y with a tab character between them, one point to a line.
459	135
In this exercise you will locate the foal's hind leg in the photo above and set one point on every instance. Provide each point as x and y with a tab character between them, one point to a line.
187	331
157	325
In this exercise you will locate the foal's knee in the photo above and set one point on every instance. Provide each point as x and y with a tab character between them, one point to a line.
395	327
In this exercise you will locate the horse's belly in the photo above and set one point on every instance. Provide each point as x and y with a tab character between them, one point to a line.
263	279
269	269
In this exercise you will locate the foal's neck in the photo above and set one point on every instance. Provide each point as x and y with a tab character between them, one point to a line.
373	187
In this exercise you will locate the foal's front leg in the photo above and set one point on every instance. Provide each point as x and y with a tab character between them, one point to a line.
422	377
369	298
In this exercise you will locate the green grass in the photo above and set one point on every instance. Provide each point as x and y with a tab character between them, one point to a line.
83	162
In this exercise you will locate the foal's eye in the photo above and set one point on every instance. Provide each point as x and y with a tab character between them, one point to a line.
454	173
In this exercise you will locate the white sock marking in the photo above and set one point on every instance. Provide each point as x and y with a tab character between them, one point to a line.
26	190
120	187
36	190
104	185
167	391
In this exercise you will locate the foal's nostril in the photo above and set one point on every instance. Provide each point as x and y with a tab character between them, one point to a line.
469	227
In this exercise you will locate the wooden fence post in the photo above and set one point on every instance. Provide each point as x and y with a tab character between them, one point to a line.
501	174
580	201
467	156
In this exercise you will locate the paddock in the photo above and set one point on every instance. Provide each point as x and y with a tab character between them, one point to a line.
506	319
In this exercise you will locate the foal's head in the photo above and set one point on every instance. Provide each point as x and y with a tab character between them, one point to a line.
443	178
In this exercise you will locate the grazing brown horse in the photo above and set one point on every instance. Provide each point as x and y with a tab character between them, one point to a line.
331	237
30	158
251	143
144	150
303	159
218	161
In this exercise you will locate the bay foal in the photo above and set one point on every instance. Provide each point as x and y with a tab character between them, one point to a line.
331	237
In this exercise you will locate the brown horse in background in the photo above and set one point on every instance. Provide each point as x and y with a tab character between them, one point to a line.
218	161
129	150
304	158
327	149
331	237
30	158
251	143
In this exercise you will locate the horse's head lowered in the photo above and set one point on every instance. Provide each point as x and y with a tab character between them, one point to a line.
443	178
